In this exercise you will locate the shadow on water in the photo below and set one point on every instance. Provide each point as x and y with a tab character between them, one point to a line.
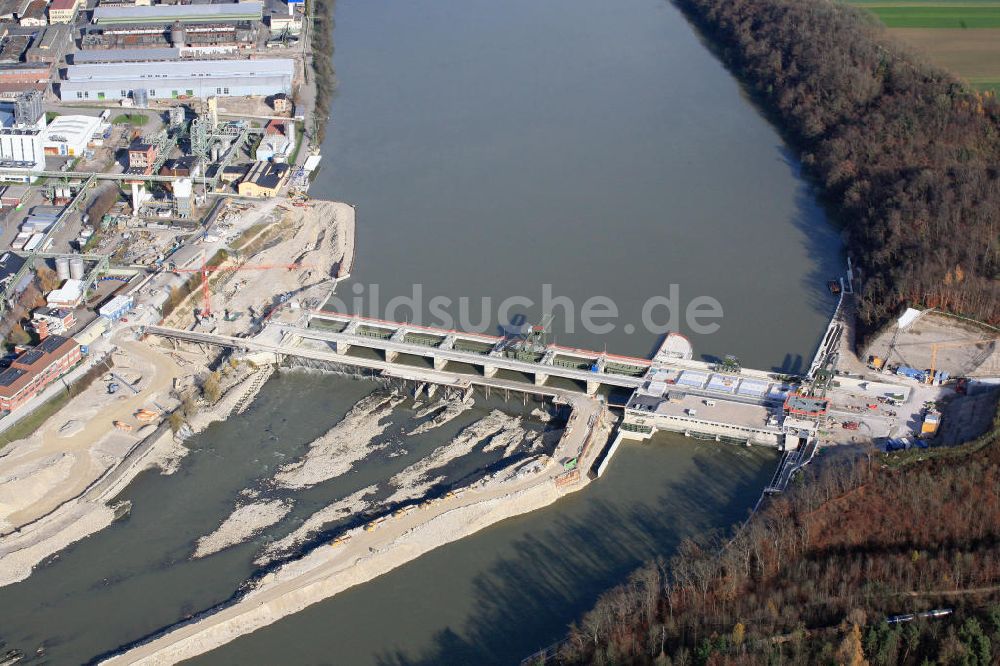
501	594
542	584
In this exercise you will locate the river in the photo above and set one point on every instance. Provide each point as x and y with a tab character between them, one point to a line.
491	148
495	147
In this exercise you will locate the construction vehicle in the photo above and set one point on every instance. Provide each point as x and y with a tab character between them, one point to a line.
931	422
876	363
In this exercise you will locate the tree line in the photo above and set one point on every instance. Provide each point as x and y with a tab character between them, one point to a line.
814	575
907	156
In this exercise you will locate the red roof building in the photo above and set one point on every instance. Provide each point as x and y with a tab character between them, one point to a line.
35	369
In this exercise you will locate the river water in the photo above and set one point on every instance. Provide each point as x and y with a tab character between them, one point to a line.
491	148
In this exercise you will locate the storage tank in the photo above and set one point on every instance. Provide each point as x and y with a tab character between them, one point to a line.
62	268
76	268
177	36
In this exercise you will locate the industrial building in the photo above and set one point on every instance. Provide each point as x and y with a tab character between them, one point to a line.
52	321
33	14
291	25
21	76
22	153
49	44
190	40
116	308
124	55
68	295
35	369
12	196
141	158
21	138
263	180
172	80
70	135
277	143
229	11
63	11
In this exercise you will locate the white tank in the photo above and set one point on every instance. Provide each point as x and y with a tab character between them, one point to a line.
76	268
62	268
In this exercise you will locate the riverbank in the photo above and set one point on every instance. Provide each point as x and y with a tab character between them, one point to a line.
94	508
381	546
59	485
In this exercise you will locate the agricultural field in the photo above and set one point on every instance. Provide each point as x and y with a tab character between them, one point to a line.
960	35
941	14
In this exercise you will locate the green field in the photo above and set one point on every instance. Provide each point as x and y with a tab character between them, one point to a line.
936	14
136	119
991	86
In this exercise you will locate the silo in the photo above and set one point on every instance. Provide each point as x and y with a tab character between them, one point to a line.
177	37
76	268
62	268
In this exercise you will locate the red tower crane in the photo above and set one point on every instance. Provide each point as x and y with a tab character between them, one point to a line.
206	271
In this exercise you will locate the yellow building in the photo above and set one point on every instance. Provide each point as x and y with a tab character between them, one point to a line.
263	180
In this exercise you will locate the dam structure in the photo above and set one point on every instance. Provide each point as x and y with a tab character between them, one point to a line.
671	391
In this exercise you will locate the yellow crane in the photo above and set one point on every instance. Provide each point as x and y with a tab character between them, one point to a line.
935	346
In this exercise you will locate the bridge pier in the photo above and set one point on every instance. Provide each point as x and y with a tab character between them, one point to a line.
541	378
391	355
592	387
341	347
489	370
440	363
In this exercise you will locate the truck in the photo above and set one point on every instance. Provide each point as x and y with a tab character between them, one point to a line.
932	419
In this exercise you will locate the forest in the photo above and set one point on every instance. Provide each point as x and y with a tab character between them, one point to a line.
906	156
813	577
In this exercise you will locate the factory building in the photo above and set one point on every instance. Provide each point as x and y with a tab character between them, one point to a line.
49	44
52	321
116	308
277	143
141	158
180	79
33	14
20	76
70	135
190	40
264	180
35	369
63	11
22	153
229	11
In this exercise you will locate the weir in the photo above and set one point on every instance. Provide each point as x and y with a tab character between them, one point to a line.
671	391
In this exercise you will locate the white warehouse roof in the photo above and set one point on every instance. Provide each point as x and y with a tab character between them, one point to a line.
199	78
71	130
151	71
190	13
